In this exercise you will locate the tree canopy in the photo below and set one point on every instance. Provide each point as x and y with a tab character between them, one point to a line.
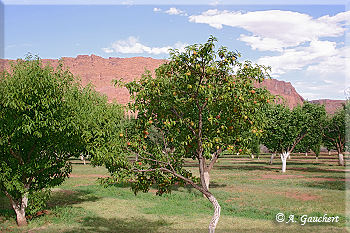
334	135
45	118
286	128
201	102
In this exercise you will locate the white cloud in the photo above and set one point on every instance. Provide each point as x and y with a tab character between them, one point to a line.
107	50
320	89
320	56
262	44
157	9
332	64
132	45
175	11
276	29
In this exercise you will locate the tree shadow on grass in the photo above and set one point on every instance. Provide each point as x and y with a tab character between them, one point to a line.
70	197
130	225
58	198
332	185
190	189
274	168
262	163
240	167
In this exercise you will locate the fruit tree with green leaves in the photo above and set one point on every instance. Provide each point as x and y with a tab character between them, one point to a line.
45	118
200	103
286	128
334	135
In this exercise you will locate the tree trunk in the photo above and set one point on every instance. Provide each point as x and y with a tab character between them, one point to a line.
214	221
252	156
21	217
341	159
20	209
82	158
329	152
271	159
305	153
284	156
206	179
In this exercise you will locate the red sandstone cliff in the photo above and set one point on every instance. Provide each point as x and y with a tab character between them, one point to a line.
331	105
284	89
100	72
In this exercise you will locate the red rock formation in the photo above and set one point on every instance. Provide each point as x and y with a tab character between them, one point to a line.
331	105
101	72
283	89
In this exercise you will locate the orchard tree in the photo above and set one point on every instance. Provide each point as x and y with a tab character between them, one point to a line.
286	128
198	104
314	138
334	132
45	118
98	122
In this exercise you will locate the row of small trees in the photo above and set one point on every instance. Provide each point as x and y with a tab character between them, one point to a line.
200	103
304	128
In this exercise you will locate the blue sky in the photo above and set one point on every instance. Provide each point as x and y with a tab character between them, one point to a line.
304	44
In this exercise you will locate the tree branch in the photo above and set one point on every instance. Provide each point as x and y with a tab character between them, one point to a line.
19	158
296	142
199	188
214	159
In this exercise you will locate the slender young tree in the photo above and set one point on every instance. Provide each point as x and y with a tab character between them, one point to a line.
199	104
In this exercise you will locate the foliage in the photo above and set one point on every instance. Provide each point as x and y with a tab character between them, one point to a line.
314	138
35	127
334	132
45	118
37	201
286	128
201	102
255	145
98	122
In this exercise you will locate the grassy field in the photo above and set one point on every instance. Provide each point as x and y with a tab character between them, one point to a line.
250	192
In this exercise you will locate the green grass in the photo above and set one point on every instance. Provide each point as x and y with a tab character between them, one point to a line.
250	192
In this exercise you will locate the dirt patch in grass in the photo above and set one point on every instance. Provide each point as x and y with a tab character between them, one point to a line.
299	196
306	169
281	177
328	179
278	177
234	199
